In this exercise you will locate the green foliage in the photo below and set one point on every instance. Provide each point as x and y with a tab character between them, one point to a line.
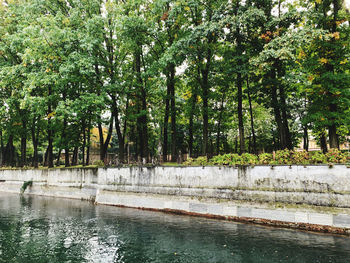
199	161
99	163
283	157
135	68
336	156
265	158
301	157
318	157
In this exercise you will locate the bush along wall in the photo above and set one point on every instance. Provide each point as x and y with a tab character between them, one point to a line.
281	157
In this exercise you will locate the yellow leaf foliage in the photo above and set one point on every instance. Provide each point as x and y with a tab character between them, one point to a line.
323	60
50	115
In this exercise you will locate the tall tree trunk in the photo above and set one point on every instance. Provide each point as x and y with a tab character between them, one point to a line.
75	155
173	113
9	156
240	113
219	123
121	143
165	126
251	117
66	143
142	119
2	148
190	128
205	91
323	142
306	138
281	143
49	135
87	162
285	126
24	144
35	141
332	129
333	137
84	143
239	85
58	157
66	157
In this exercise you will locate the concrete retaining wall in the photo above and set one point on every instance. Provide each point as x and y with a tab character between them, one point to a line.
310	197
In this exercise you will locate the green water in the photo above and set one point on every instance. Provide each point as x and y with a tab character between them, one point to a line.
38	229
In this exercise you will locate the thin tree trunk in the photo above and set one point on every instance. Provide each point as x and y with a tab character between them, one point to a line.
58	157
142	119
2	148
205	90
24	144
239	83
306	138
35	139
173	114
84	144
219	123
165	126
280	144
121	143
75	156
88	144
251	117
240	114
49	137
190	130
87	162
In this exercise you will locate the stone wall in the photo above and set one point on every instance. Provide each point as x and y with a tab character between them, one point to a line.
297	196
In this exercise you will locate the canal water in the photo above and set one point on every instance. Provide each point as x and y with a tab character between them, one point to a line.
41	229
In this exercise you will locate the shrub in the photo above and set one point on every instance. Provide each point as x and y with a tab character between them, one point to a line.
300	157
98	163
336	156
248	158
201	160
224	159
318	157
265	158
283	157
227	159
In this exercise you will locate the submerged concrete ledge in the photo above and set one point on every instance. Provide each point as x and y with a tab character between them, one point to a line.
305	197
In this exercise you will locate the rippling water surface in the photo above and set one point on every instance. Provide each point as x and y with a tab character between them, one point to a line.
38	229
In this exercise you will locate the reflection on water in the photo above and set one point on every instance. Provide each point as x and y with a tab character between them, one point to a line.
38	229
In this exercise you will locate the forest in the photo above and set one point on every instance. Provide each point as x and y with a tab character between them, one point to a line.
161	77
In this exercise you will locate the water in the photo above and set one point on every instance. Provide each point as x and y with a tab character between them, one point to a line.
38	229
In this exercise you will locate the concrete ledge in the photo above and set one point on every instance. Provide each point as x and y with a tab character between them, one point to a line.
292	218
310	197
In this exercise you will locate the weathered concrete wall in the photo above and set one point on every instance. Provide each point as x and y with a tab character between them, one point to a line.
294	195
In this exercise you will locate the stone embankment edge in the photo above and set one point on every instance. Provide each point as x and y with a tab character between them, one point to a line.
108	187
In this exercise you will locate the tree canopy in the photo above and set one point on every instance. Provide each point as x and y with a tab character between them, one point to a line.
163	77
